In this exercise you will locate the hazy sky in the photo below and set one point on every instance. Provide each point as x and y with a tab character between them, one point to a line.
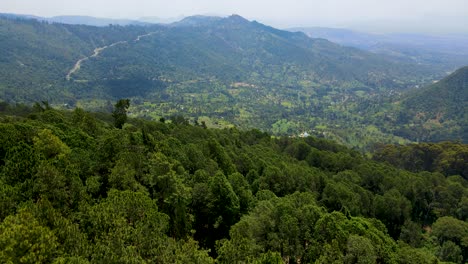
391	15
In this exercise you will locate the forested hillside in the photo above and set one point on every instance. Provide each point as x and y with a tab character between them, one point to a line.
439	111
225	71
433	113
219	51
75	189
36	56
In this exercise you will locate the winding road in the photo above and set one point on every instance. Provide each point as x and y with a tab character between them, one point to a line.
97	51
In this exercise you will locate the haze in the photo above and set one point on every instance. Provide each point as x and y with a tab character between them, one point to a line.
419	16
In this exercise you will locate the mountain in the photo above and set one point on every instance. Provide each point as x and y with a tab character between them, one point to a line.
79	20
36	55
445	51
226	71
198	21
439	111
19	16
93	21
159	20
342	36
231	50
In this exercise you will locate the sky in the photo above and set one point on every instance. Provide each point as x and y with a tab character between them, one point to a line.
418	16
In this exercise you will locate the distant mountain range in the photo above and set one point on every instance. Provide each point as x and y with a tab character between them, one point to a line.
218	50
447	51
93	21
82	20
229	70
234	49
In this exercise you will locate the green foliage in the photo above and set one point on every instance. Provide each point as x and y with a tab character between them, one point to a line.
360	250
223	204
269	258
450	252
302	231
24	240
241	188
120	112
172	194
409	255
393	209
50	146
159	192
126	226
411	233
449	158
280	224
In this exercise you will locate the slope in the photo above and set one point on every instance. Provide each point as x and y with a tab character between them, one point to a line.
228	49
234	49
439	111
227	71
36	56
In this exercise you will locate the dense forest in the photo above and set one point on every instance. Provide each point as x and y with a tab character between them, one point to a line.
83	187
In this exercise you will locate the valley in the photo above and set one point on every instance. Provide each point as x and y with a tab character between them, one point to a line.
225	140
293	83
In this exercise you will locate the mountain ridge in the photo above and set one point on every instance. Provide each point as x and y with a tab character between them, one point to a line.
80	20
448	52
230	70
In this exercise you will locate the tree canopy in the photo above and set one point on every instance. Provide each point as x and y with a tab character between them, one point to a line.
74	188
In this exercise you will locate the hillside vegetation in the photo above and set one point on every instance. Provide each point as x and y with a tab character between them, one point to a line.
225	71
437	112
73	188
443	105
36	56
